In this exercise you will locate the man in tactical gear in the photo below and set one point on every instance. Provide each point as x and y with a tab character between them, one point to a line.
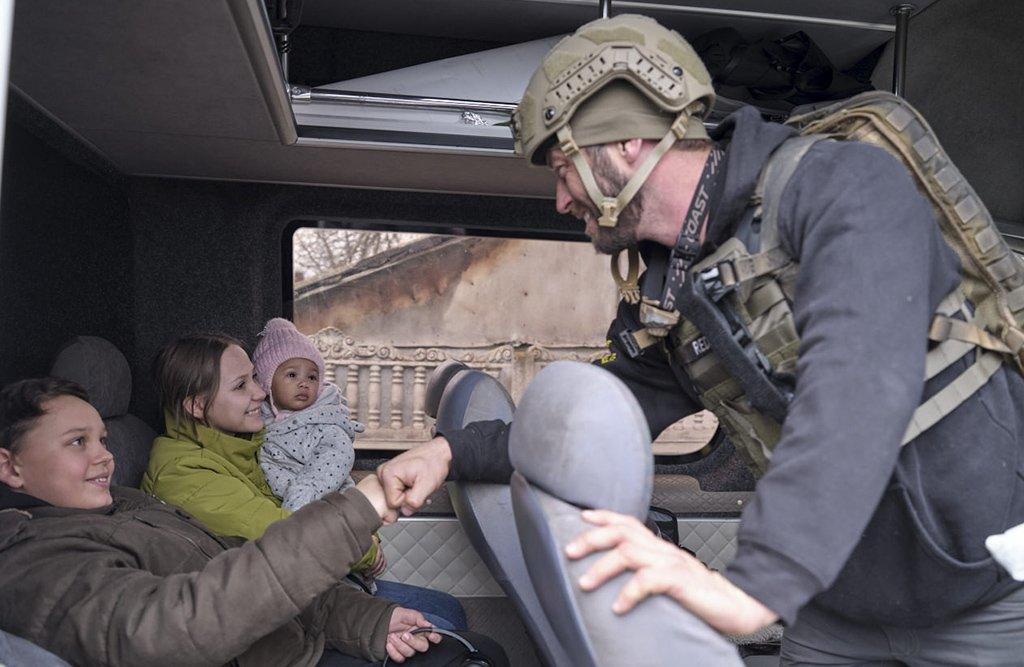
867	550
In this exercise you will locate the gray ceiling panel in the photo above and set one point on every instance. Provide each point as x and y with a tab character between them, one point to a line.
166	66
232	159
522	20
171	87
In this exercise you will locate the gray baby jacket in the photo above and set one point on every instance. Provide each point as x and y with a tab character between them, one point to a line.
309	453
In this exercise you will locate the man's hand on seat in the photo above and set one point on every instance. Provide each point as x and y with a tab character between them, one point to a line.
662	568
413	475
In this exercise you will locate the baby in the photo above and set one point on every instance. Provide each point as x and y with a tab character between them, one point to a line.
307	448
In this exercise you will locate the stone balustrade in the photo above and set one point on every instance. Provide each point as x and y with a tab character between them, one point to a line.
385	384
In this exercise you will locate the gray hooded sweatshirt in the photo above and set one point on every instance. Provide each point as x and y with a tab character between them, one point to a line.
309	453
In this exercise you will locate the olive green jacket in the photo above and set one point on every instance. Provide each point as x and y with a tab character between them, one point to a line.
140	582
215	477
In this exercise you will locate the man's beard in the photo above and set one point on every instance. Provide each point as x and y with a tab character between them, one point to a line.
610	240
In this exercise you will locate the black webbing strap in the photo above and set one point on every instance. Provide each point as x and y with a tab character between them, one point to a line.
701	296
748	371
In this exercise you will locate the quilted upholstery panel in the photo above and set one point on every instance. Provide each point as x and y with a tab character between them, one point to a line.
437	554
713	540
681	494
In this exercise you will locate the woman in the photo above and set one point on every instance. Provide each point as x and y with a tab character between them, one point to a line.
206	462
109	575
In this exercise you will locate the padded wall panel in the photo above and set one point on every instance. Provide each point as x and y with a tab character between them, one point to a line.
963	74
65	256
436	553
713	540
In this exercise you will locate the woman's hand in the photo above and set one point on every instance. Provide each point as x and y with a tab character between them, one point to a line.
662	568
374	492
401	643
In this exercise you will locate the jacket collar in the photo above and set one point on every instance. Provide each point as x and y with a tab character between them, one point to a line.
238	450
124	498
750	141
11	499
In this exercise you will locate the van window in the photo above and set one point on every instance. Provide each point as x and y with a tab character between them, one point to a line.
385	307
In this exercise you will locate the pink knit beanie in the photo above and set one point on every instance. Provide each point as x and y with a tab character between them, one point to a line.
279	342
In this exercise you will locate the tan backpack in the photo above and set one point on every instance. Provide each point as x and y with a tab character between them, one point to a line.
742	356
993	276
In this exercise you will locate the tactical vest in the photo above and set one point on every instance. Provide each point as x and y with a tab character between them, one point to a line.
741	353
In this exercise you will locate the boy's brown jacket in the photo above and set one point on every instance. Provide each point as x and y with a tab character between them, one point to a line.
142	583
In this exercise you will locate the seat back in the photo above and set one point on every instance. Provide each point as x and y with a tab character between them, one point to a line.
461	396
579	440
17	651
97	365
471	396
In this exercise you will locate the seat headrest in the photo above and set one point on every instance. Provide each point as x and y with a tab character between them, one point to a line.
580	435
96	364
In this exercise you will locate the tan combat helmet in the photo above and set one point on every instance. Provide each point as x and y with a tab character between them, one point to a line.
639	81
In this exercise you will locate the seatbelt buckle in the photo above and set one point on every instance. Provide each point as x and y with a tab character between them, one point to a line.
629	344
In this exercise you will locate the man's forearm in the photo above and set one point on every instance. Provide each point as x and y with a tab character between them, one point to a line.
480	452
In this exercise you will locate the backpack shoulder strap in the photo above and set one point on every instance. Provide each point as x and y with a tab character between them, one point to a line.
772	182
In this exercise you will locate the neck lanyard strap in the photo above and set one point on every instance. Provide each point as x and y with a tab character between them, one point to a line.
690	240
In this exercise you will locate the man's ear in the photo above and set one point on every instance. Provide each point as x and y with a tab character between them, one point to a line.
631	150
195	406
9	471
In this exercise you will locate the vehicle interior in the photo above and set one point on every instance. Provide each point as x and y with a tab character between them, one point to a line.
175	166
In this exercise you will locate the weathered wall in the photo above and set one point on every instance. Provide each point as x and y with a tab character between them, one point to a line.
473	291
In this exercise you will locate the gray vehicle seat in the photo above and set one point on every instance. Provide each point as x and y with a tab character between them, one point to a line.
461	396
18	652
97	365
580	440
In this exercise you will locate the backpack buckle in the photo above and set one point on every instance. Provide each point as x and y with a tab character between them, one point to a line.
629	344
719	280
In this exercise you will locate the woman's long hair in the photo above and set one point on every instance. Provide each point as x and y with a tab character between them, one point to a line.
189	369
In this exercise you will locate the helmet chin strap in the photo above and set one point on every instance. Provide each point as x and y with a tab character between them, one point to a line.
611	207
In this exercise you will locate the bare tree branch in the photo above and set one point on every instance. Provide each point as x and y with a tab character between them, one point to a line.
317	251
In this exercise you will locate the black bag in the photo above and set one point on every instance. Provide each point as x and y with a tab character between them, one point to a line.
792	69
